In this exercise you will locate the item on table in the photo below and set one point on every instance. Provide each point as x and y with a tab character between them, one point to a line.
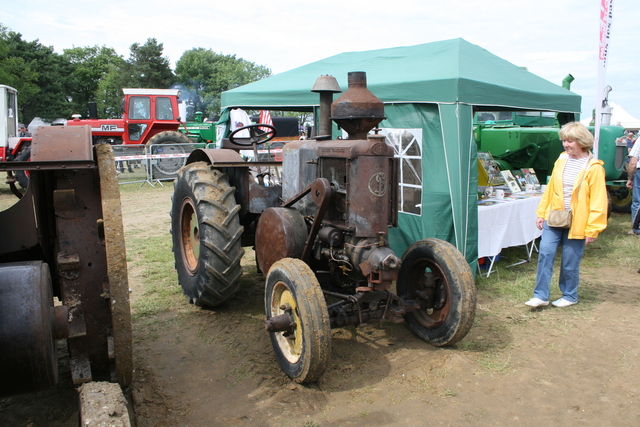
511	181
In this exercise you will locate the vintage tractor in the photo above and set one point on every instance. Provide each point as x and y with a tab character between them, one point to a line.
150	117
63	272
320	237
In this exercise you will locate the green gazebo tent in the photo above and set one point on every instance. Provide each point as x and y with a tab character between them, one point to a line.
430	92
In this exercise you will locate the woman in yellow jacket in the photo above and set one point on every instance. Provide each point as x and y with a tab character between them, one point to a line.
577	183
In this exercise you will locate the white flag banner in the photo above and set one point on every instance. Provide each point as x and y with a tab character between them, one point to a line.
606	16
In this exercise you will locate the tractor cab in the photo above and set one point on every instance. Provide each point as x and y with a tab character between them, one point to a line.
148	112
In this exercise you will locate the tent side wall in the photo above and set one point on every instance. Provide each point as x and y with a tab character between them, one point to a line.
448	208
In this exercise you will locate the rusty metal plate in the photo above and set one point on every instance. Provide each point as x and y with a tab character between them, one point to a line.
62	143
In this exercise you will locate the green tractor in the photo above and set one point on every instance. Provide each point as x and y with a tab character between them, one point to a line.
529	139
200	131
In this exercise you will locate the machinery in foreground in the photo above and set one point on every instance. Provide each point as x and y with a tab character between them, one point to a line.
320	236
63	272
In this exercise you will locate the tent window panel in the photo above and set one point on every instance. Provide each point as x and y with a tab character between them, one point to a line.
410	146
412	171
407	144
411	200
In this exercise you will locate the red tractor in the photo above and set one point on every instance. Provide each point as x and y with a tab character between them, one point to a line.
150	117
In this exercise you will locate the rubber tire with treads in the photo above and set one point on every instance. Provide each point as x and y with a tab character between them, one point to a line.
622	205
22	176
169	142
206	234
304	355
451	323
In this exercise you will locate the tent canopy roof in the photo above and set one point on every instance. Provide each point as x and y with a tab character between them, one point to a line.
448	71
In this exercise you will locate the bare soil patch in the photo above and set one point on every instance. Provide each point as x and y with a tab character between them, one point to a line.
552	366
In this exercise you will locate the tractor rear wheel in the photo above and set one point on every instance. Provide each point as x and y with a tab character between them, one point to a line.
621	198
292	290
437	267
23	176
206	234
176	146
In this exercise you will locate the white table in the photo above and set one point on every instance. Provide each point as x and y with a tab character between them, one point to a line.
507	224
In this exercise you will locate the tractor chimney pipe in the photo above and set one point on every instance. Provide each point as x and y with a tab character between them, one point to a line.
566	82
326	86
357	110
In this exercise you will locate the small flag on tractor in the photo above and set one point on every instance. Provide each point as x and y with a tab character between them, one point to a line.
265	118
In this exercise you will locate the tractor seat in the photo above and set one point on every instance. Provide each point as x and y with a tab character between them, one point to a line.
225	143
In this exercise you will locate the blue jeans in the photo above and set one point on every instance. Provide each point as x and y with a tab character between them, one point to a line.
635	201
572	250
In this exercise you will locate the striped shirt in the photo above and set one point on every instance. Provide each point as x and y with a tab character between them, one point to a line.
572	169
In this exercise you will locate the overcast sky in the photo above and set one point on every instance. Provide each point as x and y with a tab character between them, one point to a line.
552	38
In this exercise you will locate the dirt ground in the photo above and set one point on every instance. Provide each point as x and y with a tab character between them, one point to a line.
198	367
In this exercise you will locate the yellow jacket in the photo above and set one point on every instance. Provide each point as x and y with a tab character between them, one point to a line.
589	207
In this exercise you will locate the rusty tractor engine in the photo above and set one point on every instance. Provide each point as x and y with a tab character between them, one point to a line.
320	237
63	270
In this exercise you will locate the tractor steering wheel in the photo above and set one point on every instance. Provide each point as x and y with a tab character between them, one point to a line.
254	138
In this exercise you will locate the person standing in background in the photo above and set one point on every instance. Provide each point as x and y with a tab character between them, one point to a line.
633	183
630	140
578	184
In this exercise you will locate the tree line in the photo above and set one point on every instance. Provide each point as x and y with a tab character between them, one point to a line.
53	85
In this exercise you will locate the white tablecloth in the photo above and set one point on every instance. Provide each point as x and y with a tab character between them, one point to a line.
507	224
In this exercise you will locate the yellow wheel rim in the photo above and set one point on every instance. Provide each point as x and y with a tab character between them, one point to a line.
291	345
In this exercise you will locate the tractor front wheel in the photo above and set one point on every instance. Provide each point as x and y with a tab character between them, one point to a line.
293	298
436	267
206	233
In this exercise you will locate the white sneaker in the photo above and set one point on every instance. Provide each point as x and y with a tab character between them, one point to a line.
563	303
536	302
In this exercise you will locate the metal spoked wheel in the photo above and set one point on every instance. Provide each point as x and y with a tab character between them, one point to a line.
296	308
436	268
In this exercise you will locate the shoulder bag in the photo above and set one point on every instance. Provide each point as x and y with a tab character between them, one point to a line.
560	218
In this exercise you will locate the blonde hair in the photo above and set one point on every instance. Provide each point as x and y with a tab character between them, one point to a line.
576	131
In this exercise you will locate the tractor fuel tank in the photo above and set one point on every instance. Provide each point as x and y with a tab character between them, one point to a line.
363	174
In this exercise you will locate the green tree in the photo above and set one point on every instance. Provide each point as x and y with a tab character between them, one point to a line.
38	73
208	74
109	95
147	68
90	65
